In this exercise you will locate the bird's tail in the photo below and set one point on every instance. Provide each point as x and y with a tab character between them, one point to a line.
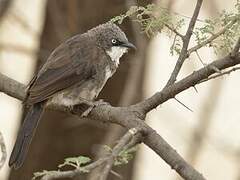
25	135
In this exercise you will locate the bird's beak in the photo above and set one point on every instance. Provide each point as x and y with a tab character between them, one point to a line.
128	45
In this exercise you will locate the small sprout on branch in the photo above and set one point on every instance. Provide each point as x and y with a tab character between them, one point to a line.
76	162
125	156
37	175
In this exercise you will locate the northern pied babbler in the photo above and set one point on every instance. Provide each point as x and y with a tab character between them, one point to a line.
76	70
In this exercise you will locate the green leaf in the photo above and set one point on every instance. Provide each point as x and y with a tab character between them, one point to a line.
75	161
125	156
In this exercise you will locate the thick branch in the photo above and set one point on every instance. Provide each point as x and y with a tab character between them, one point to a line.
12	87
129	117
189	81
220	74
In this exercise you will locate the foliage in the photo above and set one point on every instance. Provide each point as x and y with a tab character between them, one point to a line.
225	42
78	162
154	19
125	156
75	162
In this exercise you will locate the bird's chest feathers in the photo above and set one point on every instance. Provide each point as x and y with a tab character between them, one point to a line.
115	53
108	73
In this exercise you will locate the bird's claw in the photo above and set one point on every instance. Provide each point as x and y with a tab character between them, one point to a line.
93	105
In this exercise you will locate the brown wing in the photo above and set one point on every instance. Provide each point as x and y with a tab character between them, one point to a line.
70	63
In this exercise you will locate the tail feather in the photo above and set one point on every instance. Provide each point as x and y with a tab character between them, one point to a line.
25	136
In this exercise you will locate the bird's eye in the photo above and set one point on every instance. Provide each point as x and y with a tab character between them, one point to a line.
114	41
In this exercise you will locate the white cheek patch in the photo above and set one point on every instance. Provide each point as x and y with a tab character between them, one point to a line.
116	52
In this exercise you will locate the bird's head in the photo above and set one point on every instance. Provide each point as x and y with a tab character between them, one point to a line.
112	40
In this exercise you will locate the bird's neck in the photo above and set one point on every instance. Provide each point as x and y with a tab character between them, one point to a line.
115	53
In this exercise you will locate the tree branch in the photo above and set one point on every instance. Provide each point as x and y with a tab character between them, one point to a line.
187	82
183	54
132	116
12	87
220	74
213	37
116	150
73	173
174	30
109	160
129	117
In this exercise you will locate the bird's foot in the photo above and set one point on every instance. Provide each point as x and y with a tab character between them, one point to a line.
92	105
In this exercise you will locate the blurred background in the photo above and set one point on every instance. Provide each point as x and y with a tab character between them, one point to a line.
208	137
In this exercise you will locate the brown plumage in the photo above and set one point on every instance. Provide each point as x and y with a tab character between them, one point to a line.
77	69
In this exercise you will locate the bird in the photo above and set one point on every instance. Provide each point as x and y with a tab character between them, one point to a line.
75	71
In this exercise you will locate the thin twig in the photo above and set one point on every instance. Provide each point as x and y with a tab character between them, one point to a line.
183	54
189	81
116	150
184	105
73	173
213	37
174	30
109	160
233	53
219	74
200	59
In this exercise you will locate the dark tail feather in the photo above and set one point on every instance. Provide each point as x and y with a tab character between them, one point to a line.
25	136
